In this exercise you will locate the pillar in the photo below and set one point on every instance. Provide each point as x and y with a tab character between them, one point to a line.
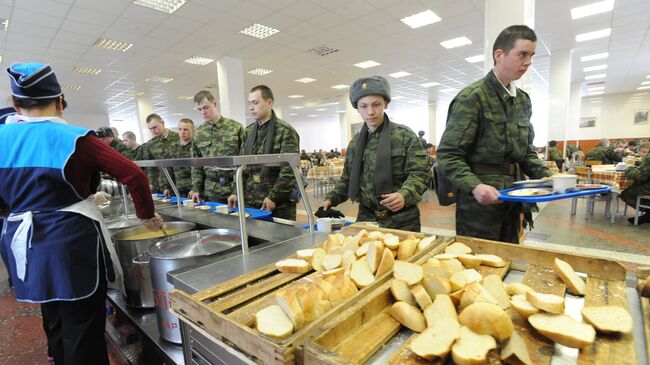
432	107
232	94
145	107
575	103
559	92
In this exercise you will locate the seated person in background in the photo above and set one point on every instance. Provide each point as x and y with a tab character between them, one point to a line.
603	152
304	155
554	154
331	154
641	176
429	148
632	148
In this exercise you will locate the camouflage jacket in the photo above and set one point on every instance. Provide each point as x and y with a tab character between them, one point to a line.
554	154
486	125
605	154
640	174
225	137
281	181
183	175
160	148
409	168
134	154
118	146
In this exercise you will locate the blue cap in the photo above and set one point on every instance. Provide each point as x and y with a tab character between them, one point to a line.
33	81
5	112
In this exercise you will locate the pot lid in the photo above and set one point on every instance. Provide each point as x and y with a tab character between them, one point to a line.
196	243
141	233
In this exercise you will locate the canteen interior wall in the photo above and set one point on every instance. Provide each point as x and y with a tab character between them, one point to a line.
92	121
317	133
614	117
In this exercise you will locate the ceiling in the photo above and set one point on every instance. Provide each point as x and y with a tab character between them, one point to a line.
63	33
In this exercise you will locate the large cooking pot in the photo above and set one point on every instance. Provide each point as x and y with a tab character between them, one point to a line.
129	243
123	221
194	248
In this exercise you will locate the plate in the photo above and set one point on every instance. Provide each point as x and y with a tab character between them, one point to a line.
590	186
530	192
533	183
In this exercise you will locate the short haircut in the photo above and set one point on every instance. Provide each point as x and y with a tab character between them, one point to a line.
187	121
204	94
266	92
552	143
104	132
27	103
645	146
421	133
428	145
603	142
129	135
153	116
506	39
633	143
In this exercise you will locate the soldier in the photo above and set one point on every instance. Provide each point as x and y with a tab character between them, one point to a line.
388	196
422	139
603	152
218	136
268	187
186	149
641	176
489	138
163	145
106	135
554	154
133	150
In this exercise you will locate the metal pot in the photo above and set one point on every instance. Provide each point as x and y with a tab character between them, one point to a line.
138	285
124	221
195	248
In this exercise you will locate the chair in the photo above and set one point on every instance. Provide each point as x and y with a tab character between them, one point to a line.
593	162
583	171
639	206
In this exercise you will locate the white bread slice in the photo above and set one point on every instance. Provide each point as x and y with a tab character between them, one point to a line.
298	266
445	256
470	261
460	279
331	261
409	273
401	292
317	259
487	319
406	249
474	293
273	322
362	250
347	258
472	348
453	265
340	236
350	288
426	242
360	274
386	263
288	301
546	302
492	260
336	271
436	285
455	296
435	342
349	245
408	315
608	318
515	351
373	256
563	329
391	241
305	298
332	242
574	283
517	288
523	306
305	254
442	307
493	284
375	235
336	251
436	269
421	297
458	248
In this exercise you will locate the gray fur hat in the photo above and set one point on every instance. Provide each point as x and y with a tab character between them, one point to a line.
373	85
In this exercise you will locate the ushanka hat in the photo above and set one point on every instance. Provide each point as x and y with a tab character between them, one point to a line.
373	85
33	80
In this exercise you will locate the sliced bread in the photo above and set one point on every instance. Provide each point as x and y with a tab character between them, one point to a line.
441	308
407	272
574	283
608	318
408	315
487	319
298	266
563	329
547	302
435	342
273	322
472	348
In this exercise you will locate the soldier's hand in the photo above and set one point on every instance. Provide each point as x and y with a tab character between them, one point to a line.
326	204
155	223
232	201
196	197
393	201
268	204
486	194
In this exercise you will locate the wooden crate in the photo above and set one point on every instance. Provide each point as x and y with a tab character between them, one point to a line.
227	310
362	329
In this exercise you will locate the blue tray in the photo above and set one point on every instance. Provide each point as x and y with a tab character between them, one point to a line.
264	215
547	198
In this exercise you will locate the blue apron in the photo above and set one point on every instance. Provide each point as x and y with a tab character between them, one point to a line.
57	256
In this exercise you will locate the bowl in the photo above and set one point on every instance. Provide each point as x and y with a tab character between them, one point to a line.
563	182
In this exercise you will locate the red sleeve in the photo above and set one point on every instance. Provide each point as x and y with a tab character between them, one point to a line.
97	155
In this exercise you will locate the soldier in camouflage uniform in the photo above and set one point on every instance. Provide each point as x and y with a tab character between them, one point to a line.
217	137
106	135
641	176
267	187
163	145
186	149
554	154
133	150
488	138
603	152
388	196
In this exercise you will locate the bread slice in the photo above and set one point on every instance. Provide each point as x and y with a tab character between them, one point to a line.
298	266
574	283
336	271
474	293
455	296
406	249
435	342
306	254
409	273
375	235
472	348
453	265
408	315
317	259
493	284
435	285
401	292
608	318
445	256
487	319
347	258
288	301
373	256
386	263
426	242
436	269
563	329
441	308
546	302
458	248
331	261
314	302
391	241
492	260
523	306
360	274
515	351
363	249
331	243
518	288
421	296
462	278
470	261
273	322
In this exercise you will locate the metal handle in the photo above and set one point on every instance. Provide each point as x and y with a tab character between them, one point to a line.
139	260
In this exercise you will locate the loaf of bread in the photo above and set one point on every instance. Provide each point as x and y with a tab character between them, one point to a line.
435	342
458	248
574	283
408	315
608	318
523	306
407	272
472	348
386	263
273	322
515	351
487	319
297	266
563	329
288	301
441	308
546	302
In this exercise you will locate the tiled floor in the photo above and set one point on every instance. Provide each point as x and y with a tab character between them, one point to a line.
23	342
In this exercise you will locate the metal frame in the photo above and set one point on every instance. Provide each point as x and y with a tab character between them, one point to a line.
239	163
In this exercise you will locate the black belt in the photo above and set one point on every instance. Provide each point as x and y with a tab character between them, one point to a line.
483	169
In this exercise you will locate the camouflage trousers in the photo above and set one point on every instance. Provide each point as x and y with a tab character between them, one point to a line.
407	219
629	195
285	212
498	222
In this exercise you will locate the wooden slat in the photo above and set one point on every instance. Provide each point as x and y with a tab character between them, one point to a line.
369	338
404	356
544	280
234	283
252	291
608	349
498	271
645	308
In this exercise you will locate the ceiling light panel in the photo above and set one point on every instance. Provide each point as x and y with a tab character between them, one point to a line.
4	24
321	109
645	83
367	64
593	57
71	87
259	71
456	42
583	37
160	79
476	59
643	87
196	60
430	84
166	6
185	97
448	90
595	93
421	19
596	88
258	31
340	86
296	107
399	74
322	50
305	80
113	45
594	68
296	96
592	9
594	77
87	70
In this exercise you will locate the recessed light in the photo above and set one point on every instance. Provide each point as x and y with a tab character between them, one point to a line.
293	113
137	93
4	24
297	107
645	83
367	64
185	97
177	114
593	57
448	90
196	60
160	79
596	93
399	74
639	94
476	59
166	6
597	76
304	80
647	77
430	84
258	31
71	87
113	45
421	19
259	71
596	101
322	50
398	97
340	86
594	68
296	96
643	87
456	42
594	35
321	109
592	9
312	115
87	70
596	88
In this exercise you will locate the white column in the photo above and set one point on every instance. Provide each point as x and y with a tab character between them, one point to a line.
145	107
500	14
432	107
575	103
559	94
232	95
